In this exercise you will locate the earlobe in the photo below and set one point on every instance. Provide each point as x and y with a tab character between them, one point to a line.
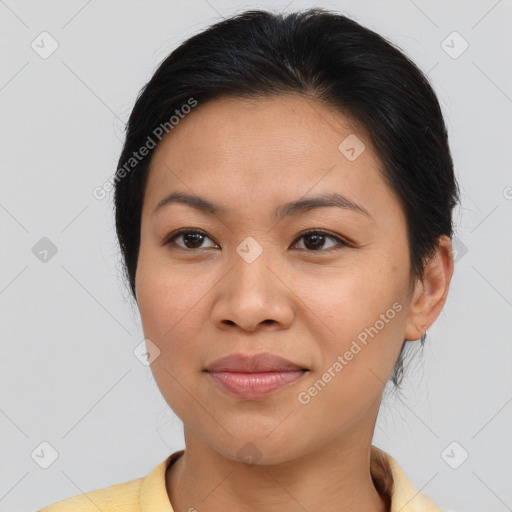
431	291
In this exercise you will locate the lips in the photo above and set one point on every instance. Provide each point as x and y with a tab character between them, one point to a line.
254	376
255	363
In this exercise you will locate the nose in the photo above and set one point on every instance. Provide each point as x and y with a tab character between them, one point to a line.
252	295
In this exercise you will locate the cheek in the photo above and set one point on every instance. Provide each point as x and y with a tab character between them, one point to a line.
357	353
167	298
354	298
169	306
362	316
174	310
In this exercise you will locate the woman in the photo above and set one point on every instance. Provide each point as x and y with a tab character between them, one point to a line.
284	209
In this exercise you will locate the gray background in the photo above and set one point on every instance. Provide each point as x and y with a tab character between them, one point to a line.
68	373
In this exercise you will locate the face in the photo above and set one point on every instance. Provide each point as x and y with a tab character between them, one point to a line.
324	286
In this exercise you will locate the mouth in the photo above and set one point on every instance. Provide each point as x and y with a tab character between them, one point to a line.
254	363
254	376
255	384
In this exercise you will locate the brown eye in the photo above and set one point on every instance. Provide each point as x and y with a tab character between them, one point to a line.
316	240
191	239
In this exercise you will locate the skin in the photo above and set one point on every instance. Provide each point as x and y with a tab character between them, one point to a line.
202	301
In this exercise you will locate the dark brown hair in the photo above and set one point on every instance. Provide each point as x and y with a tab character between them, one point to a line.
323	55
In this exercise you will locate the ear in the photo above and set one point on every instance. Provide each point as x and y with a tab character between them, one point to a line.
430	292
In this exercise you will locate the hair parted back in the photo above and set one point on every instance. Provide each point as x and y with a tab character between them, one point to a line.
326	57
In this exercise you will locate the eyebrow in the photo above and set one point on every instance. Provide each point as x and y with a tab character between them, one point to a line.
299	206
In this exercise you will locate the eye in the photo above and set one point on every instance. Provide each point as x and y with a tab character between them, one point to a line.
192	238
315	240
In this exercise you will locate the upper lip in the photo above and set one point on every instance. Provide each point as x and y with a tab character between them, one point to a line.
252	363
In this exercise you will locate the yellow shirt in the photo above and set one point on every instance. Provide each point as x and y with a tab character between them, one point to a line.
149	494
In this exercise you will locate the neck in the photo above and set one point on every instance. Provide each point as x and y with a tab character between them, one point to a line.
338	479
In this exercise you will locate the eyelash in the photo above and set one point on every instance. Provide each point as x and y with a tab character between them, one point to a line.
328	234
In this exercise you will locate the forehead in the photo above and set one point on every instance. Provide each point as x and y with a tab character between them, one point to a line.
267	122
273	146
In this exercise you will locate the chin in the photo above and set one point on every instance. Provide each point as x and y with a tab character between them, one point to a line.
259	451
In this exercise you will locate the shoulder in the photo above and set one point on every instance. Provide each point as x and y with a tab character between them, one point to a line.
122	497
144	494
391	481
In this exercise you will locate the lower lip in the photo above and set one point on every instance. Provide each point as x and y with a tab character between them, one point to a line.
255	385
